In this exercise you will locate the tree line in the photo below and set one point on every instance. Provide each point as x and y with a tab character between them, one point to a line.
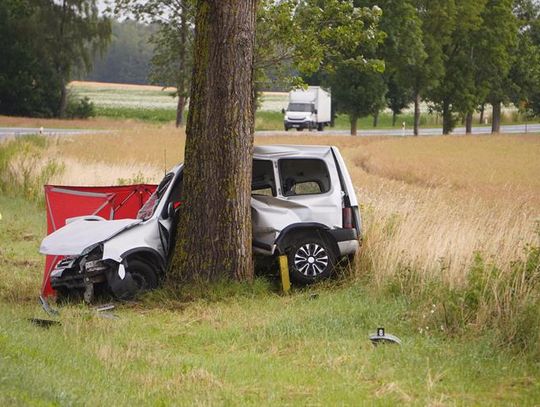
456	55
43	44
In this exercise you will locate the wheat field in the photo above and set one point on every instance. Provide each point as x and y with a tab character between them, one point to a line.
429	203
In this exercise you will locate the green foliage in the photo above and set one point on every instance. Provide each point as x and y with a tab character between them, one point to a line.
29	84
172	60
42	44
80	108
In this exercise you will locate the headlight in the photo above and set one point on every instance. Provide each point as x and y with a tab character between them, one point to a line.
95	265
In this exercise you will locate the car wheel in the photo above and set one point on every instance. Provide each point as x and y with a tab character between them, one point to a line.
310	259
143	275
320	127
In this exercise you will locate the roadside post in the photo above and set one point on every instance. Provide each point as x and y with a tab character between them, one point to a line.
284	272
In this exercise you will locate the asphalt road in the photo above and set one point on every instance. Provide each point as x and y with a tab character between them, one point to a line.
6	132
510	129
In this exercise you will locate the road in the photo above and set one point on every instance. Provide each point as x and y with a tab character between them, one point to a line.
6	132
509	129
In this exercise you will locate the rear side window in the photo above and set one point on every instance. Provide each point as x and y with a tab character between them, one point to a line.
303	176
264	182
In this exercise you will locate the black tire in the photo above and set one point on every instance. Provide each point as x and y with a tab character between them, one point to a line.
286	128
143	275
310	258
320	127
299	129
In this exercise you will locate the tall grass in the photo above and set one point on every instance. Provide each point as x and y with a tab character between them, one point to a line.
24	169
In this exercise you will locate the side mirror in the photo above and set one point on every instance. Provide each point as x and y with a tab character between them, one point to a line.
169	214
283	111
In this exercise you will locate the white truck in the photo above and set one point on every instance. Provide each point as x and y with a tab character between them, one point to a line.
308	109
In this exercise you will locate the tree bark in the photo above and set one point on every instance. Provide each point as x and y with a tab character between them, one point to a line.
375	119
394	118
496	120
181	85
447	118
468	123
180	110
354	124
482	110
416	114
214	232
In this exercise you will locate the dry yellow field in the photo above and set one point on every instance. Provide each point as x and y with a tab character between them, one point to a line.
428	203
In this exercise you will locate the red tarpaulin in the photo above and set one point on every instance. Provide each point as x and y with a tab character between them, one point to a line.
64	202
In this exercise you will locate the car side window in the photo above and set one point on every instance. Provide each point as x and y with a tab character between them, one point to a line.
303	176
263	182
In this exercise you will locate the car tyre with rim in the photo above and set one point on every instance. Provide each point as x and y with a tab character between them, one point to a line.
143	275
310	259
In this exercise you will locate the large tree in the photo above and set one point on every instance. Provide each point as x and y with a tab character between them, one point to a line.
214	232
426	69
460	89
496	40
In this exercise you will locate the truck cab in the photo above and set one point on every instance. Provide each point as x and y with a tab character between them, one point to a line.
303	206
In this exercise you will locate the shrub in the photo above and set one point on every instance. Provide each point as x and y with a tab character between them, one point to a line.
80	108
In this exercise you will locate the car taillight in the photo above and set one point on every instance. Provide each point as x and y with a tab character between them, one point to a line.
347	218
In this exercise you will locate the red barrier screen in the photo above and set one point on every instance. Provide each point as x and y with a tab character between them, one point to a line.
64	202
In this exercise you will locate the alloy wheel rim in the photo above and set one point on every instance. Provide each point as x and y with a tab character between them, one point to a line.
311	259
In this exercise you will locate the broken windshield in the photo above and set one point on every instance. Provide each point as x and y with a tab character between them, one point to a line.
150	206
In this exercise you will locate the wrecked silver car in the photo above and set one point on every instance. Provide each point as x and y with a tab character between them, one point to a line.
303	205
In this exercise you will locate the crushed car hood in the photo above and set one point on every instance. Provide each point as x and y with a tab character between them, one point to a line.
72	239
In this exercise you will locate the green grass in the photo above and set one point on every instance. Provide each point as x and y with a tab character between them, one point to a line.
249	346
145	114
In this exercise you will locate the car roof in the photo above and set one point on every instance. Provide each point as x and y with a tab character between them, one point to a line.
278	150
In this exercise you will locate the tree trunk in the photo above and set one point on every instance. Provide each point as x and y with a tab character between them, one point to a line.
63	99
354	124
375	119
181	85
394	118
468	123
416	114
482	110
214	232
496	120
180	110
447	118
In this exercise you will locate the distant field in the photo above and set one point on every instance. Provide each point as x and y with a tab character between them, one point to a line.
155	104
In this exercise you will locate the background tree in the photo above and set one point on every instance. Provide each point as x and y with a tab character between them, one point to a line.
524	74
219	147
29	84
77	32
45	43
173	42
338	37
458	92
427	67
496	39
